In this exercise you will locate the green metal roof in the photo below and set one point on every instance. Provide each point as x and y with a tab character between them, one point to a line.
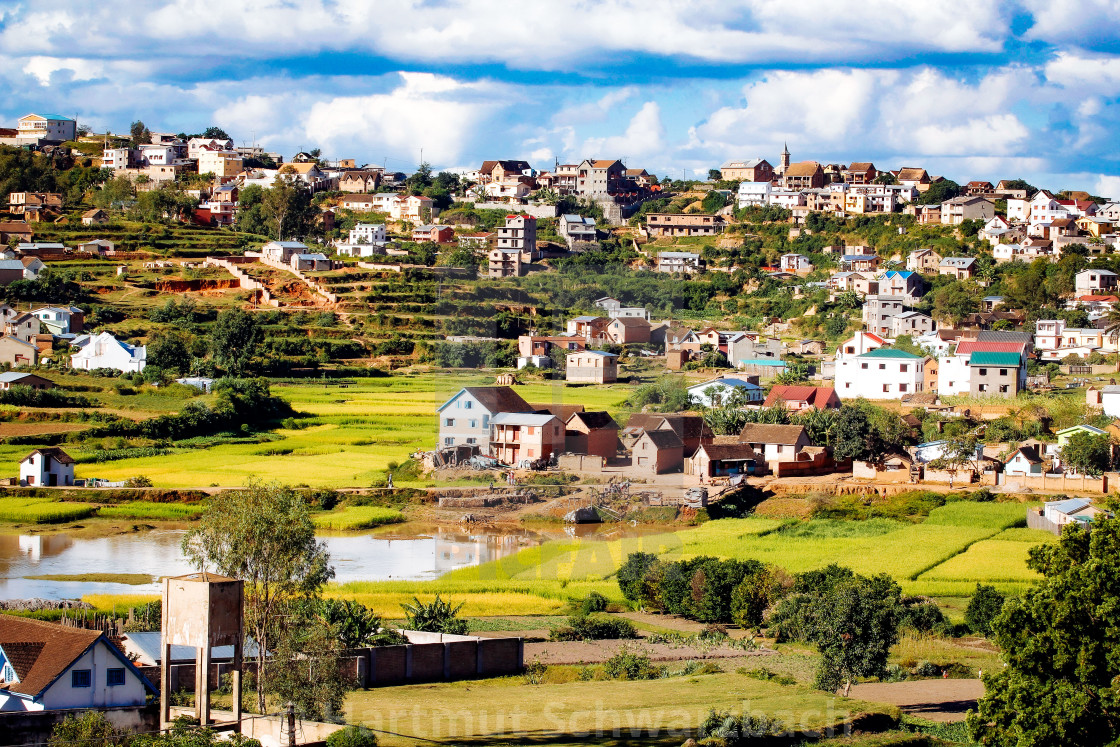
889	353
986	358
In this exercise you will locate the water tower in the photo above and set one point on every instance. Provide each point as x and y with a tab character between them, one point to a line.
201	610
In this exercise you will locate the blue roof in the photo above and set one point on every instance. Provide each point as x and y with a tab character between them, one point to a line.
1068	505
762	362
901	273
594	352
52	116
857	257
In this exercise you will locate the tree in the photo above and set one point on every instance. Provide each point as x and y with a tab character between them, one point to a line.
854	436
264	536
235	337
216	133
983	607
141	135
170	351
436	616
631	573
305	671
714	175
287	206
1060	643
1087	454
854	625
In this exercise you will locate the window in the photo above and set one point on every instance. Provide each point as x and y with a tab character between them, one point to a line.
1003	372
472	441
449	441
485	421
882	366
449	422
886	387
903	368
902	387
983	387
1003	388
467	404
474	424
983	372
80	678
863	366
114	676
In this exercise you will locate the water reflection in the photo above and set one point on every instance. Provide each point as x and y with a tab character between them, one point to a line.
403	552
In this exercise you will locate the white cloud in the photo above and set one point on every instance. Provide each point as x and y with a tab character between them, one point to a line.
42	68
538	36
1108	186
436	113
644	137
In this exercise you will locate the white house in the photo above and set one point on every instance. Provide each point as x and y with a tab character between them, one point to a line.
1094	281
576	228
367	233
683	262
60	320
282	251
753	193
464	420
35	127
106	351
1070	511
46	468
1110	400
913	323
51	667
884	373
860	343
796	263
718	392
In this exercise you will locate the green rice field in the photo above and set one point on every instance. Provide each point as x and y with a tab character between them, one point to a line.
27	510
357	517
355	432
151	510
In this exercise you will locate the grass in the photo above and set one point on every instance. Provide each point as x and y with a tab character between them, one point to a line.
357	517
988	561
133	579
913	647
27	510
664	711
151	510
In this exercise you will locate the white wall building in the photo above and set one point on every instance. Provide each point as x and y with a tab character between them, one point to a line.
106	351
367	233
35	127
880	374
46	468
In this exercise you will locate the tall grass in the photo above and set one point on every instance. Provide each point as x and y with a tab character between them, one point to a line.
27	510
357	517
150	510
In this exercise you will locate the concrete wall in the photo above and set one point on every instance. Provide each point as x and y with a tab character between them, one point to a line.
319	290
246	282
1056	483
35	727
580	462
272	731
537	211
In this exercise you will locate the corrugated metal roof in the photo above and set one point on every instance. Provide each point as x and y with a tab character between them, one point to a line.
988	358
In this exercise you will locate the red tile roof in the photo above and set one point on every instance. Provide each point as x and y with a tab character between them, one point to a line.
816	396
41	651
975	346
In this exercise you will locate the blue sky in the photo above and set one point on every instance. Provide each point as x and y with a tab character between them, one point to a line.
971	90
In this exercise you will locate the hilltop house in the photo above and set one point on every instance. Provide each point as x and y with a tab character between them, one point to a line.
464	420
923	260
51	667
884	373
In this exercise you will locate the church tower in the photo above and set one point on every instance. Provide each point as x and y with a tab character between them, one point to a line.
785	157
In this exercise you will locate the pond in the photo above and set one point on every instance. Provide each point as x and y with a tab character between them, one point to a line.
405	551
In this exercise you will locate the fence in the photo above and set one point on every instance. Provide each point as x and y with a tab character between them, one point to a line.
34	727
1056	483
428	657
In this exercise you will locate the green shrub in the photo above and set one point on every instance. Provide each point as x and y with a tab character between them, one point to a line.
630	665
738	731
352	736
985	604
437	616
535	672
594	628
593	602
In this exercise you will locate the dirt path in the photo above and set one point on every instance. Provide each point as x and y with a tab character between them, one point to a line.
936	700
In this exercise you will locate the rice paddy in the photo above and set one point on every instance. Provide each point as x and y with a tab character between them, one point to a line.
28	510
357	517
151	510
356	430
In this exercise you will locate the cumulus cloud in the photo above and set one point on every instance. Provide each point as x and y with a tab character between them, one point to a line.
644	137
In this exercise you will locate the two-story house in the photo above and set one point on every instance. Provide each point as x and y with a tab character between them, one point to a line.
884	373
464	419
520	436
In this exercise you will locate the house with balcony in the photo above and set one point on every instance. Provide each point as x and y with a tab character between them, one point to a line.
960	268
464	419
798	264
434	233
505	263
36	129
906	284
516	437
878	311
683	224
860	173
577	229
520	234
1093	281
959	209
912	323
859	262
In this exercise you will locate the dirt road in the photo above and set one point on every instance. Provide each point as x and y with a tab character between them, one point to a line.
936	700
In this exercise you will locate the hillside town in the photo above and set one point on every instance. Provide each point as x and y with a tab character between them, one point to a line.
874	369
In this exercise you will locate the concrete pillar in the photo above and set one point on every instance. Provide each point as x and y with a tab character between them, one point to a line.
165	684
202	695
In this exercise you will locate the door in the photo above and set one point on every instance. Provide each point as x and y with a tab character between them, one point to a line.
52	479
